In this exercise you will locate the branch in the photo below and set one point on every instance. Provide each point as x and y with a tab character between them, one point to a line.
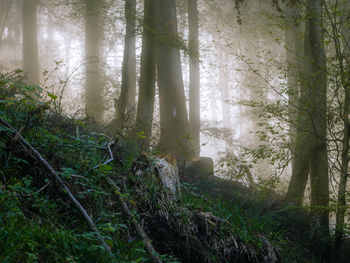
142	234
54	174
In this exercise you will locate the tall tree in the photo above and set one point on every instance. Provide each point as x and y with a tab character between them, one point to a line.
194	106
293	36
175	130
126	101
311	144
342	55
30	41
93	86
145	106
5	6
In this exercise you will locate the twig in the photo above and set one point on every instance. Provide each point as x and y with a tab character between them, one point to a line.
53	173
111	154
36	192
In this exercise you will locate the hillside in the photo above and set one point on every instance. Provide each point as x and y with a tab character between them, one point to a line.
48	159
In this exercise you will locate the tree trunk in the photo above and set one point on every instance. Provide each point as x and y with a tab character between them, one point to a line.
5	6
316	60
145	107
30	42
294	66
311	145
175	131
93	86
126	101
344	8
194	106
67	53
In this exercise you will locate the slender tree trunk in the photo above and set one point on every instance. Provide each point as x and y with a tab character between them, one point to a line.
345	80
194	106
145	107
126	101
294	66
67	53
30	42
341	205
175	130
316	60
93	86
5	6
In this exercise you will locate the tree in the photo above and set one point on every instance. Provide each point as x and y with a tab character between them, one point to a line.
294	45
126	101
93	85
145	106
175	130
30	42
194	106
340	35
311	144
5	6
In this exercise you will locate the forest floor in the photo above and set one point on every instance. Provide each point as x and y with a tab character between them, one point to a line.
212	221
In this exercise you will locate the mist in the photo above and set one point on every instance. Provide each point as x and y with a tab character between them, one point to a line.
259	89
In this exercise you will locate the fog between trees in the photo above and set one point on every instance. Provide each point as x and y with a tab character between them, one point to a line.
261	86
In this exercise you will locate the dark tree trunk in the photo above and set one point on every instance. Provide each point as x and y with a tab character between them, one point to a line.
145	107
126	101
294	65
311	144
316	59
93	86
175	131
194	106
342	53
30	41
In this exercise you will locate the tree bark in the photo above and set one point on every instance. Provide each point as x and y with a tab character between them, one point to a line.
30	42
145	107
316	60
126	101
93	86
194	106
175	131
311	144
294	65
342	54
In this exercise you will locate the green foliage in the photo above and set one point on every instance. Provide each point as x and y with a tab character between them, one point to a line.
249	216
38	223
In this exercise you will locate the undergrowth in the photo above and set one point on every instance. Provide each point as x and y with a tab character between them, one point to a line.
38	223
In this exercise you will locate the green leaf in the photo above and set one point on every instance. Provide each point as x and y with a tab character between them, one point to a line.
52	96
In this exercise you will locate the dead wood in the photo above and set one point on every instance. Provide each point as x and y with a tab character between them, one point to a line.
142	234
52	172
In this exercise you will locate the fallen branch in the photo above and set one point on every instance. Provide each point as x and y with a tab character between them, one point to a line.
142	234
53	173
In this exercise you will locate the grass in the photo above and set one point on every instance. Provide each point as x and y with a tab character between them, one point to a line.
39	224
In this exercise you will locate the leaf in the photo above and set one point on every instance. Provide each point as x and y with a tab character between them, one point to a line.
109	243
52	96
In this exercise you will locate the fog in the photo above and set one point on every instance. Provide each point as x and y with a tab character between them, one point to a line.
92	55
